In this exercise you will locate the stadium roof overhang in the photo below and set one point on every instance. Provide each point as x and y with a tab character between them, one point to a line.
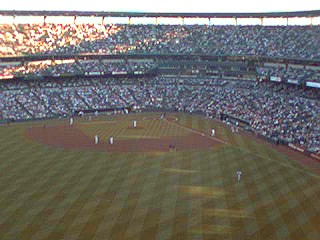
314	13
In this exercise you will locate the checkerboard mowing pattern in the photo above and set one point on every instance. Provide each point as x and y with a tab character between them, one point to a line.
55	193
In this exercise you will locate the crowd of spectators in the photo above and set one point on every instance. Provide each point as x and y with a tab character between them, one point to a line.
288	112
272	41
284	111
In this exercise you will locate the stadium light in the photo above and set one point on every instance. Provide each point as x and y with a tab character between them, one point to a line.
198	21
302	21
222	21
249	21
274	21
170	21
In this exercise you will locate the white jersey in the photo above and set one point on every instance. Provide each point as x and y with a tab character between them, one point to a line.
213	132
239	173
96	139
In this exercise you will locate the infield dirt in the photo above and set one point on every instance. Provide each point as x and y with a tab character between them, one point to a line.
64	136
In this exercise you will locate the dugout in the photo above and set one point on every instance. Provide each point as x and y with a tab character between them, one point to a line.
233	120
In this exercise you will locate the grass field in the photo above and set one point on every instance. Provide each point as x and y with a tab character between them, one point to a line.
56	193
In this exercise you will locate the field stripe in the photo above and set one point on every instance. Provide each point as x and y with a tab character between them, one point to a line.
102	195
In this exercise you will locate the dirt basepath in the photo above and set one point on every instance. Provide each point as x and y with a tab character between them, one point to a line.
64	136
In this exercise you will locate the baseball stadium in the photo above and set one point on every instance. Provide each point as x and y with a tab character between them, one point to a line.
159	125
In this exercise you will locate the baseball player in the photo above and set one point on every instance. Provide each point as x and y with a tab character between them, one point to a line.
213	132
111	140
71	121
96	139
239	173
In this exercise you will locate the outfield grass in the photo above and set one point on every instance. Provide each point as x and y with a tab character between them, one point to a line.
49	193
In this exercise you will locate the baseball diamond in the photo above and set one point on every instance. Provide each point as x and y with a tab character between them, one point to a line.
133	125
67	187
153	135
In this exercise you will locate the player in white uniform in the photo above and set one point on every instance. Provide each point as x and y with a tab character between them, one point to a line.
239	173
71	121
111	140
134	123
213	132
96	139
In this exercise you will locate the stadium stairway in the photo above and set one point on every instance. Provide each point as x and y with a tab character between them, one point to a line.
258	34
24	108
83	100
97	93
133	95
65	103
50	113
